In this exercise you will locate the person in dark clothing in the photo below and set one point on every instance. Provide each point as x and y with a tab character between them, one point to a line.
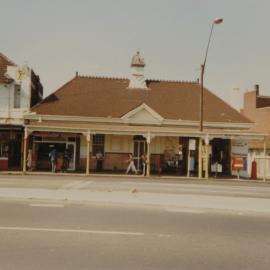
52	157
65	160
144	164
99	158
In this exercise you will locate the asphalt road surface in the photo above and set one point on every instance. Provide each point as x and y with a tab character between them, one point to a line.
63	235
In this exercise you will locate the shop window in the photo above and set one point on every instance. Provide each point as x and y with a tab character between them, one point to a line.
17	96
98	144
3	150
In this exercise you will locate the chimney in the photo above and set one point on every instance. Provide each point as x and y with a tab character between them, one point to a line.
257	88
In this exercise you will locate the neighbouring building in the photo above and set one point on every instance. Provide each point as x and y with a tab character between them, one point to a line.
257	108
112	117
20	89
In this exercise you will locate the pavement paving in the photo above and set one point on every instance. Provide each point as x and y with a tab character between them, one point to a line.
211	196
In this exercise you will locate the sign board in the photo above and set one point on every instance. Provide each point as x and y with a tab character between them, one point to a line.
216	167
237	163
239	148
192	144
239	154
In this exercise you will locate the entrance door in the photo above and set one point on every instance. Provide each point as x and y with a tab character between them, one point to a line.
139	148
71	147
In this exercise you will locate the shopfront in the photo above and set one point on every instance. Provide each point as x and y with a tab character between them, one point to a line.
10	148
65	145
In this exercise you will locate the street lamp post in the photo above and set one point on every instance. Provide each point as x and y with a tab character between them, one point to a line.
216	21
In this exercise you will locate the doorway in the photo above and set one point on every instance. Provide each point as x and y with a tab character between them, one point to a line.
71	148
139	149
44	148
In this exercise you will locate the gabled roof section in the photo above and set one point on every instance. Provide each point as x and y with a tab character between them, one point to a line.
143	114
111	97
4	63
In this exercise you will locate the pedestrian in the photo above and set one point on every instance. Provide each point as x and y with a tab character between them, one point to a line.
131	165
29	160
52	157
144	164
99	158
65	160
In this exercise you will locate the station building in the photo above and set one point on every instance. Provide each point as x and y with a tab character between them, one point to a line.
118	116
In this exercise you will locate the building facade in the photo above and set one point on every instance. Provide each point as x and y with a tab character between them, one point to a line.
93	117
20	89
257	108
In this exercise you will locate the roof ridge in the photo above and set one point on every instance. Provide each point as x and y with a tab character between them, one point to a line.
101	77
7	59
172	81
53	93
125	78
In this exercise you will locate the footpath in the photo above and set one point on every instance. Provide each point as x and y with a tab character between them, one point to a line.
182	196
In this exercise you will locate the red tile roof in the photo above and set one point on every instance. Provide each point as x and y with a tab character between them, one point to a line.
4	62
110	97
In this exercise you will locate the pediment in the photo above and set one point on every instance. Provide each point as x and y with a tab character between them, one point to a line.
143	114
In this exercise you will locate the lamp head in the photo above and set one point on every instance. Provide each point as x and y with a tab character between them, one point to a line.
218	21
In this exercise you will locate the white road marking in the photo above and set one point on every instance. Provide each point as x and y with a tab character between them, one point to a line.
184	210
165	235
46	205
70	231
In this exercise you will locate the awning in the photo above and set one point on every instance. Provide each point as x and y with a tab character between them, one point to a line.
84	128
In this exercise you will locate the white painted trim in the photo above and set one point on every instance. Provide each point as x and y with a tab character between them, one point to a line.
112	120
143	106
226	135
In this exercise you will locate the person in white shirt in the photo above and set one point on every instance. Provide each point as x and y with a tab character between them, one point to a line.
131	165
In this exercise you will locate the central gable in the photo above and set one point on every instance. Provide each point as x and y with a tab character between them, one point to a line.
143	114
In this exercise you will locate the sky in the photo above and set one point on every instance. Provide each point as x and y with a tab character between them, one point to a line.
99	37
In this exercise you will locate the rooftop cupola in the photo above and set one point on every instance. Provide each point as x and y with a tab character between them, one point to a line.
137	60
137	79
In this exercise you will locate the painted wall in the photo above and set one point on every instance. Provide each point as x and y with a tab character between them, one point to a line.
258	155
9	114
124	144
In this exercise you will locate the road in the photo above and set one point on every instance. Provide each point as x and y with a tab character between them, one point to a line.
42	235
132	223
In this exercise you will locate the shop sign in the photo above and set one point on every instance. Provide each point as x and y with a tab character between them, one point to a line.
239	148
239	154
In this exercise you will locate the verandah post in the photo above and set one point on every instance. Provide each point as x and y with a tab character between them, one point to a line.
88	139
25	141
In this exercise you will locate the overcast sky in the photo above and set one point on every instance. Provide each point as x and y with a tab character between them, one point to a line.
98	37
